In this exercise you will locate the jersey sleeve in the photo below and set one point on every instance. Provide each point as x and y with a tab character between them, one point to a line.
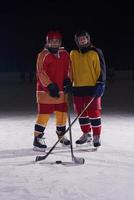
102	77
41	74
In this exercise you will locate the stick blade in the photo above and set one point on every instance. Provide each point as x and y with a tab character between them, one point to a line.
79	160
39	158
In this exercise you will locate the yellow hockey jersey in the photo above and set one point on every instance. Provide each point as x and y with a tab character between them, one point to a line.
85	68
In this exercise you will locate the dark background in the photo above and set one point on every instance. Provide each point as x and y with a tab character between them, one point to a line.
24	26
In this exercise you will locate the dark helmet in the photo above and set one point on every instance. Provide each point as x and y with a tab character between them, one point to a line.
81	33
53	35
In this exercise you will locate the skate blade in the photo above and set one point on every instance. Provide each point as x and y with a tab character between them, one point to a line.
87	144
65	146
39	149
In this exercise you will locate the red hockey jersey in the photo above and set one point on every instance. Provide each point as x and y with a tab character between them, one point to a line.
51	68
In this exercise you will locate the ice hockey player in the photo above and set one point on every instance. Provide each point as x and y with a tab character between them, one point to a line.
52	71
88	77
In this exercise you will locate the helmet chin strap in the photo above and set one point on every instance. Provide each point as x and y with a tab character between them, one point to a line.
53	50
84	48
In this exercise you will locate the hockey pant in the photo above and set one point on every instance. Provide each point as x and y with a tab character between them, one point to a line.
90	120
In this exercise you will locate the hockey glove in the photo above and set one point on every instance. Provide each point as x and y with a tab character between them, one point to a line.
53	90
99	89
67	85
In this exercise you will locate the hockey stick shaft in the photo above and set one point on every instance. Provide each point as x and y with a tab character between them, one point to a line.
75	159
69	126
39	158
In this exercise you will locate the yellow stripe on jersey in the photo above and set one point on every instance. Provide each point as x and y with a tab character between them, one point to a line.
42	75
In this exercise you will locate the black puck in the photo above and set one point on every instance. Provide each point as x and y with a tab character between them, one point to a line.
58	161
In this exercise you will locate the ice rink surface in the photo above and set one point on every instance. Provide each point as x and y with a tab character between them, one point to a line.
108	174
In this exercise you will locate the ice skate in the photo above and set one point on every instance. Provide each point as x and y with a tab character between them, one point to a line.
64	139
96	141
39	144
85	138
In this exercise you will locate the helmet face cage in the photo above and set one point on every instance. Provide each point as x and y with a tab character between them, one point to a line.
79	34
53	41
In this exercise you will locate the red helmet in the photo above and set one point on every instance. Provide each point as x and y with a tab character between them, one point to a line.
53	35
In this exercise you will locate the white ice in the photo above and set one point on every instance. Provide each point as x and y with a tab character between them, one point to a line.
108	174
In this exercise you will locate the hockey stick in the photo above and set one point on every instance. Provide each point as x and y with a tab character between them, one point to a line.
39	158
74	158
